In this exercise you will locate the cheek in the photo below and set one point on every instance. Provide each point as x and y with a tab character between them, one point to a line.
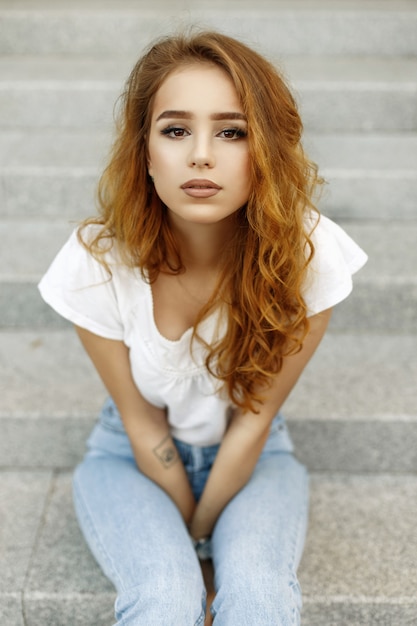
161	161
243	161
156	155
246	172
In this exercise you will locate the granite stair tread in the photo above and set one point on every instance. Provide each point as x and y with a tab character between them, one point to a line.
353	414
356	521
363	94
335	28
353	409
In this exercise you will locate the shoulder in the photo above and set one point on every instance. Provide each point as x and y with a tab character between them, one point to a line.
89	255
336	258
94	292
332	243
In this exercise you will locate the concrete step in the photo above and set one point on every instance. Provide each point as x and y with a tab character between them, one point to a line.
53	173
353	66
355	94
358	568
354	409
50	173
333	27
384	297
370	177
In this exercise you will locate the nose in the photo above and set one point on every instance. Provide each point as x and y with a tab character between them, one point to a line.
201	153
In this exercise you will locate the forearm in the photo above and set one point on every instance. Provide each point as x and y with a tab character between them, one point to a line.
157	457
146	425
234	464
247	434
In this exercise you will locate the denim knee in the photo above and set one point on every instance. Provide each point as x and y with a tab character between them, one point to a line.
170	601
271	600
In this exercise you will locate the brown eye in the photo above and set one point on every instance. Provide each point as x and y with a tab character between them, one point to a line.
175	131
233	133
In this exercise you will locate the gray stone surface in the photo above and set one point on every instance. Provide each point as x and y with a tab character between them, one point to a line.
50	173
62	609
354	408
53	149
379	307
358	566
11	609
23	496
31	246
332	28
353	65
62	563
22	307
344	107
380	196
396	261
358	377
354	445
45	442
362	540
44	193
78	106
370	176
54	373
352	612
64	585
374	96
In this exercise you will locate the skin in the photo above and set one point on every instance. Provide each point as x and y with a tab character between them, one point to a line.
191	138
198	131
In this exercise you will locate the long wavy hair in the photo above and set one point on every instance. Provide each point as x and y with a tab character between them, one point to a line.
260	287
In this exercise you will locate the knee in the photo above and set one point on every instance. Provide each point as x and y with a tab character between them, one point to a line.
170	600
267	600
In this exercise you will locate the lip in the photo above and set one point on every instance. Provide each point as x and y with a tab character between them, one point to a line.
200	188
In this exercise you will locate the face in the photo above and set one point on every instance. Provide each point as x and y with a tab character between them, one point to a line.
198	149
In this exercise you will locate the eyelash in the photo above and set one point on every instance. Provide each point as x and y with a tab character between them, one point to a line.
239	133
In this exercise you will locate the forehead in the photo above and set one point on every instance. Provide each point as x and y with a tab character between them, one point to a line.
201	88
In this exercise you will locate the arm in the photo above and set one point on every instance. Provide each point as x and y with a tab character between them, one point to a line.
247	434
145	424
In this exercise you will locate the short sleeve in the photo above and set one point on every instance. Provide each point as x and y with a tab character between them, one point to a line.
81	289
336	258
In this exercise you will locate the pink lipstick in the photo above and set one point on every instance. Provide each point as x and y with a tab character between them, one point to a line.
200	188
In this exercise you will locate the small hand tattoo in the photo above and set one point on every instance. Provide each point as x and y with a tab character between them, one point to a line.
166	452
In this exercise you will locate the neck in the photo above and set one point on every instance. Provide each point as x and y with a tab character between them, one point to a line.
202	245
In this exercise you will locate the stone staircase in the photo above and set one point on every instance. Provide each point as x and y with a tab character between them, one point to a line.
353	415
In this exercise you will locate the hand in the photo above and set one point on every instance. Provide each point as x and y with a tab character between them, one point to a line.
201	525
203	548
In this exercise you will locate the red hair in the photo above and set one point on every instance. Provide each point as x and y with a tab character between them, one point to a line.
260	287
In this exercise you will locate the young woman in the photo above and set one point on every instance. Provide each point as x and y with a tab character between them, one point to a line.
200	293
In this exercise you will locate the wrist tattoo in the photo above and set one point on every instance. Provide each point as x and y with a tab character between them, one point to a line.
166	452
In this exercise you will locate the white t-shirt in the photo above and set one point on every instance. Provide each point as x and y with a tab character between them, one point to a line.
165	372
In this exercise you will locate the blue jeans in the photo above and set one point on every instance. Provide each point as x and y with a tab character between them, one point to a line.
138	537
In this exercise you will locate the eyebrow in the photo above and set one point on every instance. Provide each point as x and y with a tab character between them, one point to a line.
187	115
